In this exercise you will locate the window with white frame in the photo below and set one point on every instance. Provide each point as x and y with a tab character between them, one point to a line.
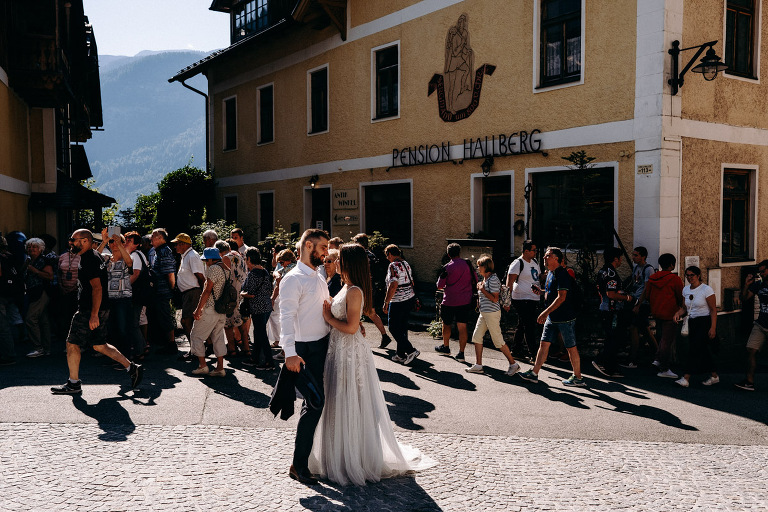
265	104
738	209
387	208
317	100
741	22
230	123
386	81
573	207
560	44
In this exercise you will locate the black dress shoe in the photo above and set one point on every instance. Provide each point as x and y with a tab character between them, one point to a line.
385	340
304	477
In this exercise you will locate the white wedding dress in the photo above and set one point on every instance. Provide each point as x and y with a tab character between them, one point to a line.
354	441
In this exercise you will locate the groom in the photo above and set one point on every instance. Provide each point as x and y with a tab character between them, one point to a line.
304	336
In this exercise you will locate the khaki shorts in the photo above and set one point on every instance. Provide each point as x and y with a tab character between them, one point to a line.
189	301
757	337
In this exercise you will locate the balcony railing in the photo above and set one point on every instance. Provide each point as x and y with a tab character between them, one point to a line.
254	16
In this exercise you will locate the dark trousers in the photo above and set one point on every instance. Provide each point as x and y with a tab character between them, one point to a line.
313	353
398	325
527	326
260	339
701	348
613	325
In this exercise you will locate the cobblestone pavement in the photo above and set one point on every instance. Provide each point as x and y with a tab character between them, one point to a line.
85	467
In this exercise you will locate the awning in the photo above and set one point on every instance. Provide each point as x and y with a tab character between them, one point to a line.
70	195
81	169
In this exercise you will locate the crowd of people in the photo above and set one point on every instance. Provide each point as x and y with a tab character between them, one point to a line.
547	305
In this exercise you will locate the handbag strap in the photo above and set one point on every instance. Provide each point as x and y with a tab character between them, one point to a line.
408	273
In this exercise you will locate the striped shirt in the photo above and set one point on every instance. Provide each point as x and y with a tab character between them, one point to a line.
400	272
492	285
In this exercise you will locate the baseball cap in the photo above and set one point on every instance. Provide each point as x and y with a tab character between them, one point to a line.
182	237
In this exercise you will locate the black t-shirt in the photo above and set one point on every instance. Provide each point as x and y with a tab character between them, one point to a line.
560	279
608	281
91	266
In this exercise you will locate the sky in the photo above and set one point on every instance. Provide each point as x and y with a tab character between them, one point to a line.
126	28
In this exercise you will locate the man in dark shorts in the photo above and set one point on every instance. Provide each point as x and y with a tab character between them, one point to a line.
458	283
89	325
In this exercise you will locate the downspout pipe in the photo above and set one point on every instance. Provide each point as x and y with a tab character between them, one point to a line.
201	93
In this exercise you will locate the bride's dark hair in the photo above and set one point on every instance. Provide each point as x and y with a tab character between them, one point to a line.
356	270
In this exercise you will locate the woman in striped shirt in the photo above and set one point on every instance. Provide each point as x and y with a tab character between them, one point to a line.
490	317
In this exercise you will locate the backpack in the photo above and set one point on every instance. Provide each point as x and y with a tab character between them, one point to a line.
11	281
227	301
143	287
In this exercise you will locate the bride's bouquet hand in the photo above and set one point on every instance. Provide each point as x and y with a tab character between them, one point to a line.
327	310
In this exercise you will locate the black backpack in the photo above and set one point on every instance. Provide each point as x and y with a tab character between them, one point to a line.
227	301
11	281
143	288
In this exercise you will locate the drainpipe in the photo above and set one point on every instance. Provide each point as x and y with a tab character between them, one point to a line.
207	162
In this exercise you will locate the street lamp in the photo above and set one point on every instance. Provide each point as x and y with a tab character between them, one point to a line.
313	180
709	66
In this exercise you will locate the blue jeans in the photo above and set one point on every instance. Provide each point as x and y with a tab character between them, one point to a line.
567	329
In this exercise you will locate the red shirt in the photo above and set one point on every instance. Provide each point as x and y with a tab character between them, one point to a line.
665	292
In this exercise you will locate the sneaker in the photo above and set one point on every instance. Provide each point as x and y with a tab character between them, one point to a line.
575	382
745	385
218	373
460	356
396	358
682	382
711	381
265	367
442	349
475	368
279	358
187	357
410	357
656	363
529	376
136	372
629	365
36	353
668	374
600	368
201	371
385	340
68	389
513	369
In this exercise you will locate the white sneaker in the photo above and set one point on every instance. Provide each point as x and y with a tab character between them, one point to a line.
36	353
410	357
656	363
396	358
475	368
218	373
201	371
711	381
681	382
669	374
513	369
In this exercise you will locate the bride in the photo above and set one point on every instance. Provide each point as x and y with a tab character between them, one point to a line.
355	441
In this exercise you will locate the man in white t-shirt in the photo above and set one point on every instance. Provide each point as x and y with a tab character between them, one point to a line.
237	235
523	280
190	279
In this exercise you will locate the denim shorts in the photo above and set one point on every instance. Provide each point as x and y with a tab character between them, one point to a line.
567	329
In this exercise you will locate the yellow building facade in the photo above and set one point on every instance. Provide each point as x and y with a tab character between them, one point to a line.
431	120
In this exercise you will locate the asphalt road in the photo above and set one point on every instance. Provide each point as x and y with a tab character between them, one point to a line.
432	395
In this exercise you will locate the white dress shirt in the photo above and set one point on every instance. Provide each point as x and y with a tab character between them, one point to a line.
191	264
302	294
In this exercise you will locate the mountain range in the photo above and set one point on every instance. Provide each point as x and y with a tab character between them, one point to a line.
151	127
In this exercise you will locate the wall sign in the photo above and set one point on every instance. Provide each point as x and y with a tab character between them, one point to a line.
516	143
645	169
346	219
345	199
458	95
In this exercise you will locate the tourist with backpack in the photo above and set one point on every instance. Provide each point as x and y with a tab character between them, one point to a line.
210	315
523	280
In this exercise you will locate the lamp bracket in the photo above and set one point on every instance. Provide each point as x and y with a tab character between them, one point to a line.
677	77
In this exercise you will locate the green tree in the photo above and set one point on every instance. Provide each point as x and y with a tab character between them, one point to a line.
221	227
87	218
184	195
145	212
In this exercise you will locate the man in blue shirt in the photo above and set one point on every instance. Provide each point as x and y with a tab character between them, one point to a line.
160	315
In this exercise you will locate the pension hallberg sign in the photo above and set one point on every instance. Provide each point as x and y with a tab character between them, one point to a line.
516	143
